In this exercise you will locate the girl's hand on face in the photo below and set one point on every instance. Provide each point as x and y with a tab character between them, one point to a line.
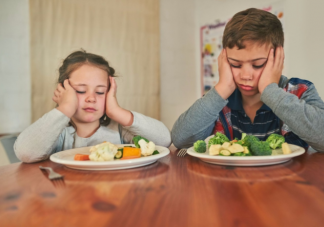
273	70
226	84
113	110
66	98
111	100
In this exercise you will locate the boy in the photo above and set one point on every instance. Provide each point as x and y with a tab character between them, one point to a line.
252	96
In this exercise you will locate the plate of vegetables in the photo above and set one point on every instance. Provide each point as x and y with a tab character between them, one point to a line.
248	151
108	156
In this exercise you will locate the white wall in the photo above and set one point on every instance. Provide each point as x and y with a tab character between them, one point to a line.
14	66
178	67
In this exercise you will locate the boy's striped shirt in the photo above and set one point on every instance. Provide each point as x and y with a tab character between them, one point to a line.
233	121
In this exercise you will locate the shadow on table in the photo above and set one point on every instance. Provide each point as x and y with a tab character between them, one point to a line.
246	174
139	173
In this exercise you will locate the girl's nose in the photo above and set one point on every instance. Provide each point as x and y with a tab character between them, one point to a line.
91	98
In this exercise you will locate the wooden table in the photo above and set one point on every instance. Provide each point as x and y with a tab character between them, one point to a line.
172	192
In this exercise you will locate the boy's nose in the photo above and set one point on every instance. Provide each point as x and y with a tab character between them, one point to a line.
246	74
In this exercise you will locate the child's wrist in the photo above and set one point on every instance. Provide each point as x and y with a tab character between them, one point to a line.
65	111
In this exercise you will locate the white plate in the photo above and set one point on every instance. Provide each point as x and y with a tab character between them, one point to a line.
67	158
248	160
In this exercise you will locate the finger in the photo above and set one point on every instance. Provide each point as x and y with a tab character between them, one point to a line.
55	99
271	58
67	84
113	85
60	87
57	93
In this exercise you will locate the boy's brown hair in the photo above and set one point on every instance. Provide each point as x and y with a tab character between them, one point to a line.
253	25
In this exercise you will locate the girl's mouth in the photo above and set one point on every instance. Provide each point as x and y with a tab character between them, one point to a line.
90	110
246	87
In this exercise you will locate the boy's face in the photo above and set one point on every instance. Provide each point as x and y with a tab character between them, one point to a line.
247	65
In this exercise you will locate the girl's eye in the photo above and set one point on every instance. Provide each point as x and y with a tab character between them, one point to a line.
80	92
100	93
258	66
236	66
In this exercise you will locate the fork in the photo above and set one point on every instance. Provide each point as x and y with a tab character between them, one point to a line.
53	176
182	152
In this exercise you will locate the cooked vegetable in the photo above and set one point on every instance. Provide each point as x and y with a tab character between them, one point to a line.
214	149
286	149
131	152
247	151
219	138
200	146
103	152
225	152
260	148
156	152
147	148
238	154
119	153
235	148
226	144
275	141
81	157
136	139
249	139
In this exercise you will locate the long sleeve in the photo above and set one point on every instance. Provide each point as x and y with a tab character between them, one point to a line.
148	128
198	121
39	140
304	116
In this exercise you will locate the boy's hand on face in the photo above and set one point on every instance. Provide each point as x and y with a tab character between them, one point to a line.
66	99
273	70
226	84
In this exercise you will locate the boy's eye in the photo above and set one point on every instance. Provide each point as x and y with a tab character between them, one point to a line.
100	93
235	66
258	66
80	92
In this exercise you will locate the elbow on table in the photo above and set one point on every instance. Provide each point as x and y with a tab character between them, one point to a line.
27	156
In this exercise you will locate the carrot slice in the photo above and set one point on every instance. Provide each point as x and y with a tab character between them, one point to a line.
131	152
81	157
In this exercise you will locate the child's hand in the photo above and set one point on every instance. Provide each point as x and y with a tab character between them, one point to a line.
226	84
66	99
111	99
273	70
113	110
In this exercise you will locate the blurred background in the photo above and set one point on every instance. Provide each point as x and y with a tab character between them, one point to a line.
155	47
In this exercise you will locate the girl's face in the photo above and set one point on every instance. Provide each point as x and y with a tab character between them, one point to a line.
91	85
247	66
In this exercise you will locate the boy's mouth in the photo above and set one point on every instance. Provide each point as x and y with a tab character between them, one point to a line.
89	109
246	87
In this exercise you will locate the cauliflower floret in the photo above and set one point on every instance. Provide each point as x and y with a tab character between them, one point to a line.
147	148
103	152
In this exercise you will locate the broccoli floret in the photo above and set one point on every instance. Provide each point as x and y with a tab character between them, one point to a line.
275	141
238	154
260	148
219	138
200	146
138	138
243	136
249	139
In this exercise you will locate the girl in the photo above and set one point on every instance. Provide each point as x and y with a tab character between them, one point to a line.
87	113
